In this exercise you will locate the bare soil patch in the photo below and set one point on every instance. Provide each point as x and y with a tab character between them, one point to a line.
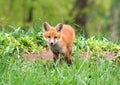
45	55
48	55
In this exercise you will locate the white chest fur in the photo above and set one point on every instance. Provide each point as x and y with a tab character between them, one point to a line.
55	48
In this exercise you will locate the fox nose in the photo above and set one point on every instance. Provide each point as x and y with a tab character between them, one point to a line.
51	43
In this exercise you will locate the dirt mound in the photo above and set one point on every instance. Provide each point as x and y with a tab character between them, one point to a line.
48	55
45	55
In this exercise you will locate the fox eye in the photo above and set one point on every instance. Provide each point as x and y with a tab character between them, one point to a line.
48	36
55	37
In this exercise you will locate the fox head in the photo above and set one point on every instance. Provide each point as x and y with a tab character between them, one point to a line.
52	35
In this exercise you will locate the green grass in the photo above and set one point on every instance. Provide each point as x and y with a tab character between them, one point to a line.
82	72
93	71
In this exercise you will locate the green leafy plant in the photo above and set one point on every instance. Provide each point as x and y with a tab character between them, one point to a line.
94	70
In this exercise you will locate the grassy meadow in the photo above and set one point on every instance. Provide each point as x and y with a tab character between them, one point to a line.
95	60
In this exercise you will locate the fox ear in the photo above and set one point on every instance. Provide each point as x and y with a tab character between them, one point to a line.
59	27
46	26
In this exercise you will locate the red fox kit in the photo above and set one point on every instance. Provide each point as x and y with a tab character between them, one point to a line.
60	40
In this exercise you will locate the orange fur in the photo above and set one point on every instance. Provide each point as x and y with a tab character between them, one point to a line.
60	40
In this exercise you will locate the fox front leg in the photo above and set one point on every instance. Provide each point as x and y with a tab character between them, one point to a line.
65	53
55	57
70	49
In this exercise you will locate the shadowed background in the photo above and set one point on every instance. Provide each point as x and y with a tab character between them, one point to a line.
92	17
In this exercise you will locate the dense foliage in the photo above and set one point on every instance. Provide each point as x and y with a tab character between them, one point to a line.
101	14
95	70
96	59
